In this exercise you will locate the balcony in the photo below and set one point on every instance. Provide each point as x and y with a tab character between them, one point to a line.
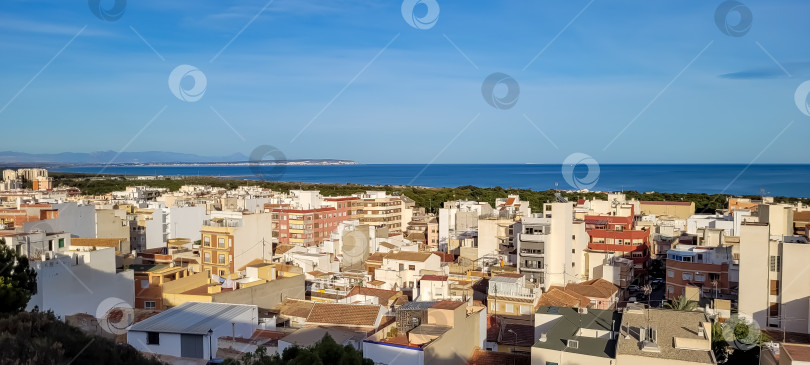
541	238
528	253
531	269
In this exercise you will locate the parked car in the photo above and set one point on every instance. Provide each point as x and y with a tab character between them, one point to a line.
632	300
633	288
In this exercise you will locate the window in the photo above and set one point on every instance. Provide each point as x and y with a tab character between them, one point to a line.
221	272
61	243
773	310
700	278
221	243
776	263
687	276
230	242
714	277
670	289
207	241
207	257
411	267
670	273
401	267
524	309
774	287
152	338
149	304
144	284
510	307
221	258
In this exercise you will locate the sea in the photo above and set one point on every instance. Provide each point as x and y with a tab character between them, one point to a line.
790	180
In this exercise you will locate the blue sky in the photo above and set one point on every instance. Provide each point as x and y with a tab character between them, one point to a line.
693	94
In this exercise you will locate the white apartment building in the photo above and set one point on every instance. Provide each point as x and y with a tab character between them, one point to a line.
550	246
774	289
79	280
460	218
402	270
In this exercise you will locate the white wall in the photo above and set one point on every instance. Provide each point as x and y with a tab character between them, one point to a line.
391	354
79	220
68	288
185	222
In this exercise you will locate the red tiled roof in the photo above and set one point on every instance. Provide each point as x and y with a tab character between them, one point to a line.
434	278
344	314
445	257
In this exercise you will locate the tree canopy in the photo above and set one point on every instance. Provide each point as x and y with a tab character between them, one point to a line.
324	352
18	281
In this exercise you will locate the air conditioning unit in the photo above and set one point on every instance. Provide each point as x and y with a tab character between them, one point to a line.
582	310
574	344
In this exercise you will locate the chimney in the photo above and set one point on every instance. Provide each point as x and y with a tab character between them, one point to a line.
543	337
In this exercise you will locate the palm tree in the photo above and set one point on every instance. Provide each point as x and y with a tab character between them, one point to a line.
682	304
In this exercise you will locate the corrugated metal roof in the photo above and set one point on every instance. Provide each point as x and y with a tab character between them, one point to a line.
194	318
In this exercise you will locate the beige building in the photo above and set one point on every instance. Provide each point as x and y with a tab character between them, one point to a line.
682	210
378	208
232	242
774	289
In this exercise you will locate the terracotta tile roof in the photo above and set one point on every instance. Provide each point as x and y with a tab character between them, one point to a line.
434	278
401	300
447	304
445	257
296	308
387	245
344	314
384	295
409	256
283	248
484	357
376	282
596	288
556	297
377	257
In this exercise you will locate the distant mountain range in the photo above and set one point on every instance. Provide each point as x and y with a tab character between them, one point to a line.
148	157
